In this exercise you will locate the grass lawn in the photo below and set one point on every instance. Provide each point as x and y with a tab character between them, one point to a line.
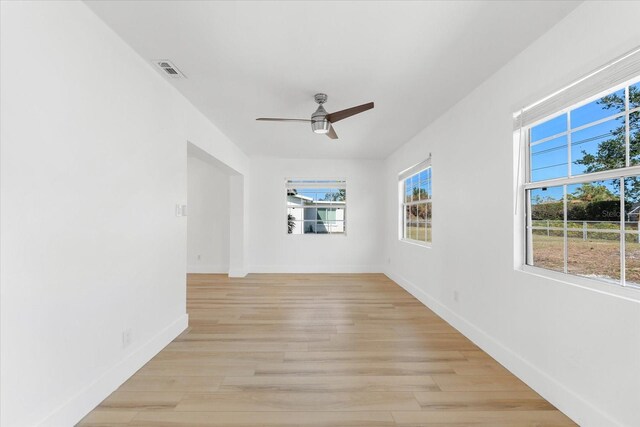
419	233
599	258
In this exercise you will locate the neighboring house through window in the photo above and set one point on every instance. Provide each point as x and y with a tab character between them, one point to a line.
316	206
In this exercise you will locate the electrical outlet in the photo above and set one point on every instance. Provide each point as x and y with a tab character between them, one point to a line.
199	257
126	338
388	260
455	296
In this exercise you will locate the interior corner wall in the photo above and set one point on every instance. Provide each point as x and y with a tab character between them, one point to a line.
239	213
93	162
208	218
272	250
578	347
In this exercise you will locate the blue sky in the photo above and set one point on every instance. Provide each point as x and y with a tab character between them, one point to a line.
549	159
317	193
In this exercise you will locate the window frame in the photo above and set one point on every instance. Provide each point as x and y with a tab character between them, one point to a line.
419	168
315	183
527	186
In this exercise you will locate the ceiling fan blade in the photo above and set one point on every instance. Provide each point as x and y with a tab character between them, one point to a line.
332	133
267	119
339	115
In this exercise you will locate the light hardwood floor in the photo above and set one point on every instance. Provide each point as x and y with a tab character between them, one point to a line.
312	350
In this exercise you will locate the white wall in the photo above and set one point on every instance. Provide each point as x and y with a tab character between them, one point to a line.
579	347
93	161
208	218
273	250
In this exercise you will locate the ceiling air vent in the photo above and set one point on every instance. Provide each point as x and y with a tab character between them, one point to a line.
169	69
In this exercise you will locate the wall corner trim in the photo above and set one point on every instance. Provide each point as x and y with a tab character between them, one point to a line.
237	273
72	411
571	404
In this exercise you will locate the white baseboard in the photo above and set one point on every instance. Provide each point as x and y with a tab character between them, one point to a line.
208	269
82	403
302	269
566	400
310	269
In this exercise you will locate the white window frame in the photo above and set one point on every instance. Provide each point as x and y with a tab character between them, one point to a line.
410	173
311	183
527	186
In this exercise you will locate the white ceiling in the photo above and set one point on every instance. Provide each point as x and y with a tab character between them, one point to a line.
246	60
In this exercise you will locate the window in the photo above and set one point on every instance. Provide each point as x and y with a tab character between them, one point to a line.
582	188
316	206
416	194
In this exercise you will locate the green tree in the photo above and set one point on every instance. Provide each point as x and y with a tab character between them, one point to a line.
419	194
291	224
539	199
339	196
592	193
611	152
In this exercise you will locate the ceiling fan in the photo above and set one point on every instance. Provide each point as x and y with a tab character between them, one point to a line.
321	121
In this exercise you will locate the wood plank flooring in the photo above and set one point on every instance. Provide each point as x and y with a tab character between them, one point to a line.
319	350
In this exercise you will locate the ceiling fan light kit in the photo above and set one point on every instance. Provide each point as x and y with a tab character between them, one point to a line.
321	121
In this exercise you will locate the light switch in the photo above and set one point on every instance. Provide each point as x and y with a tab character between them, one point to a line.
181	210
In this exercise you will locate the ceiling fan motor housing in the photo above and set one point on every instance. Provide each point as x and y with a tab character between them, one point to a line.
319	123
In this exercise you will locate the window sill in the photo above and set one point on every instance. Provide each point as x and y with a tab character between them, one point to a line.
629	292
416	243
